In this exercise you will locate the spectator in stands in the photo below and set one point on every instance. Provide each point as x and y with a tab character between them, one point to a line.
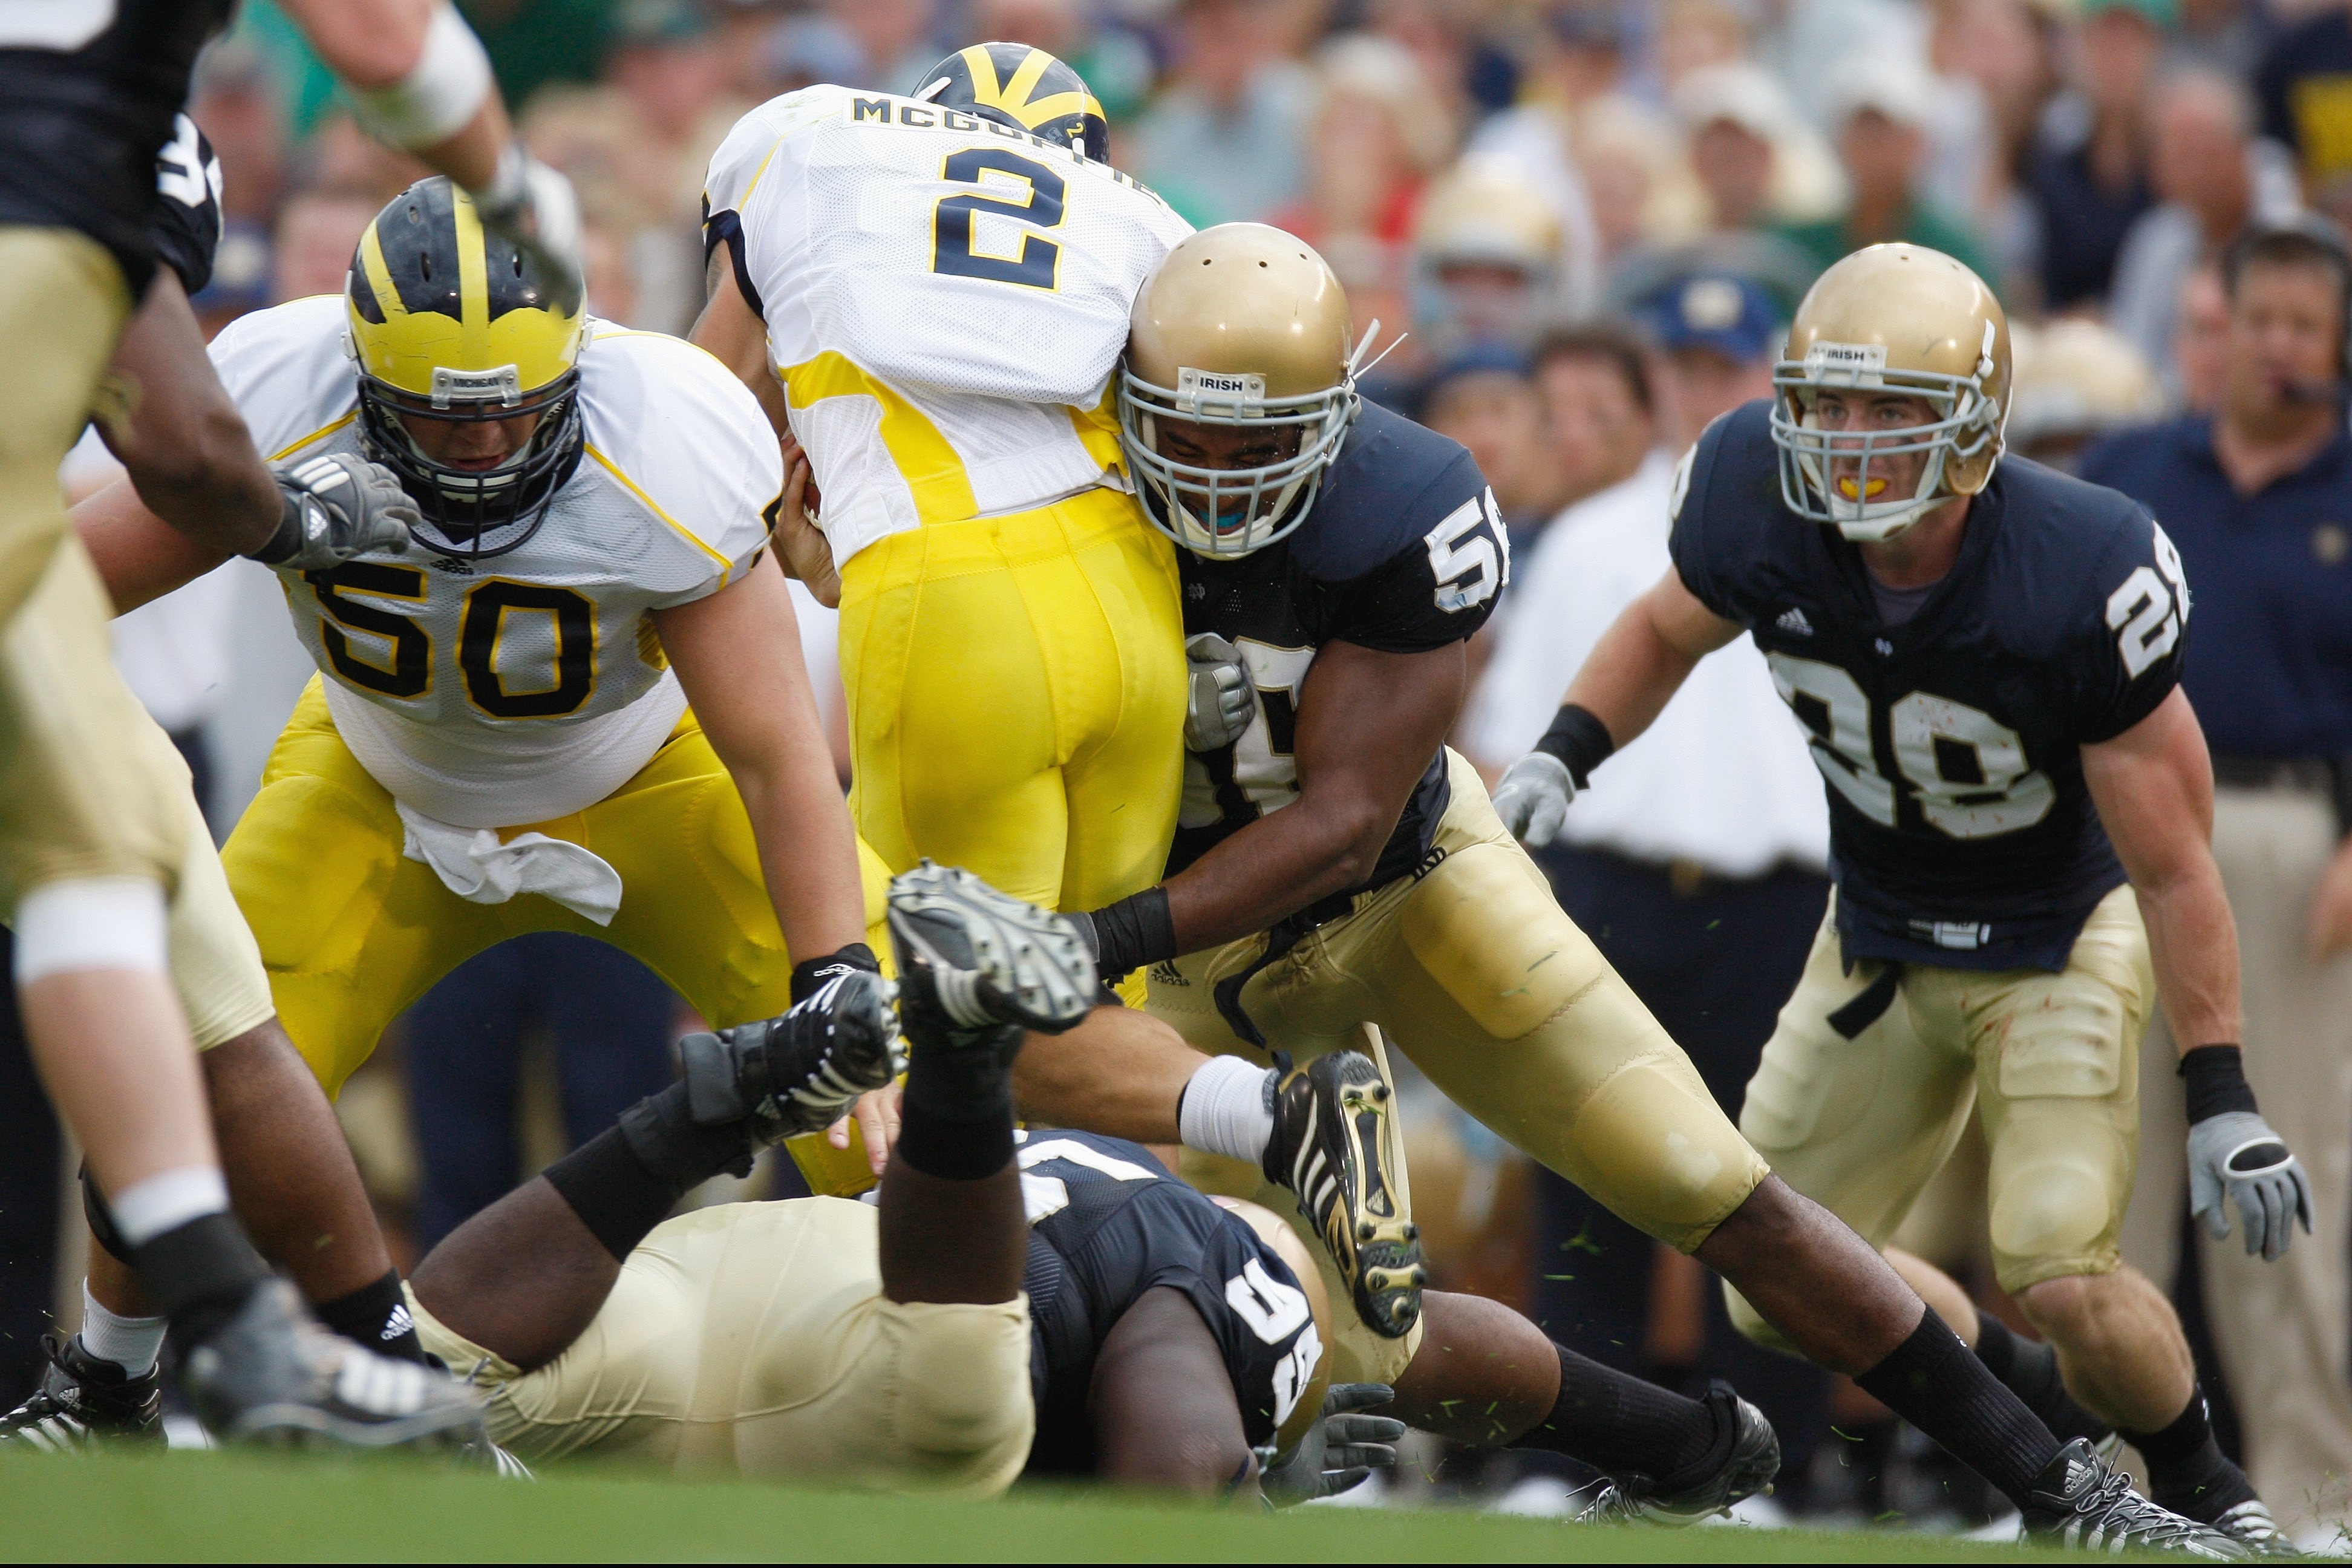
1490	263
2258	496
2212	179
1487	400
1373	143
1699	874
317	232
2089	174
1226	138
1714	334
2200	343
1879	111
2072	383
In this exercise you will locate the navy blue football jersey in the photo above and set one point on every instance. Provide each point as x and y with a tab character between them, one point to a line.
1403	552
1107	1223
1962	831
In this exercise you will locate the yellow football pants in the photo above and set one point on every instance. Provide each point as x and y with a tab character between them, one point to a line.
1474	973
1860	1125
351	932
1016	699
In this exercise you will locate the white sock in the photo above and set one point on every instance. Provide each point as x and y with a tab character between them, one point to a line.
1228	1109
132	1343
145	1210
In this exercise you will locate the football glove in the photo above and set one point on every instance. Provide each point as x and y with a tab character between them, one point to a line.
1220	701
535	206
1338	1451
2238	1155
337	505
1533	798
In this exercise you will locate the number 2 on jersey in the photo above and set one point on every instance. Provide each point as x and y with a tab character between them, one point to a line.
1038	263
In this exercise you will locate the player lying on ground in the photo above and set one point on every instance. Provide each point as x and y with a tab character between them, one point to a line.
1987	664
1166	1339
1339	867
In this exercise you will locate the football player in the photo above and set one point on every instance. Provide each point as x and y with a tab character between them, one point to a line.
930	294
1985	657
96	828
1337	867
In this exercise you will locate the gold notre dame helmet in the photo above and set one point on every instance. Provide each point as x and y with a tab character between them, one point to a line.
1243	328
1891	318
450	323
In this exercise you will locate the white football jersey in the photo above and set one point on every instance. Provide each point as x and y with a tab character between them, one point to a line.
528	685
945	299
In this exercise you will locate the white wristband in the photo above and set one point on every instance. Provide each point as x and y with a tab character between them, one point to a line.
433	101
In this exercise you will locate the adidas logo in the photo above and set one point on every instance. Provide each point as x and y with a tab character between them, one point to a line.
399	1323
1793	622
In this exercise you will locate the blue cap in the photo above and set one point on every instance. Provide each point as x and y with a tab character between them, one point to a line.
1732	315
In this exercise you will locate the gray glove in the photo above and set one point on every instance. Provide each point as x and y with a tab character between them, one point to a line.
2238	1153
1220	701
1533	798
535	206
337	505
1338	1451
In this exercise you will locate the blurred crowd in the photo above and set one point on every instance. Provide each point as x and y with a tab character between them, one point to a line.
1590	221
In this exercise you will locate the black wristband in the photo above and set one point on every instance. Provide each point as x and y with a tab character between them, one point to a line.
810	973
1133	932
2216	1076
1577	738
288	537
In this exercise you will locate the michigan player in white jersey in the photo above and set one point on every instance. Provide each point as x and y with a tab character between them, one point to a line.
500	741
930	294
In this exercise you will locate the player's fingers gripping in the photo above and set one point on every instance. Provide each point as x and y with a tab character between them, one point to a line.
877	1115
1222	701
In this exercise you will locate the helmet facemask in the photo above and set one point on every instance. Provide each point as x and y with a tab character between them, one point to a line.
1826	475
476	513
1227	514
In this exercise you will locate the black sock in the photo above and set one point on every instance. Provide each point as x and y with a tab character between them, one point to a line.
956	1118
1935	1381
2030	1368
375	1315
2187	1471
615	1191
1619	1423
198	1273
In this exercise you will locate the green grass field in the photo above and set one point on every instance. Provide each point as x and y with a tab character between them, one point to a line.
212	1507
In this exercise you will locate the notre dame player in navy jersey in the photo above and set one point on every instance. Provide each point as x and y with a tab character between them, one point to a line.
1344	877
1985	659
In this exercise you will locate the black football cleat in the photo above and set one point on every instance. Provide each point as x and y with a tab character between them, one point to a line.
2080	1501
974	963
799	1072
1334	1146
83	1401
270	1374
2251	1525
1751	1458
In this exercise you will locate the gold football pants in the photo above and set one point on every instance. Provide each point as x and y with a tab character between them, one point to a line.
1472	971
1859	1125
1016	699
81	793
351	932
754	1340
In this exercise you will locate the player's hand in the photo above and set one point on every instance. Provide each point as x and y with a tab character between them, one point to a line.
337	505
1340	1450
2236	1155
877	1115
1220	701
536	207
807	554
2331	909
1533	798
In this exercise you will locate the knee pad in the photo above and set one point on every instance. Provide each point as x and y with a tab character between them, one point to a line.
102	1229
2051	1211
963	1377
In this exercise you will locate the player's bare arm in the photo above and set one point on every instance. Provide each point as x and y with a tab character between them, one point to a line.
1368	722
736	653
